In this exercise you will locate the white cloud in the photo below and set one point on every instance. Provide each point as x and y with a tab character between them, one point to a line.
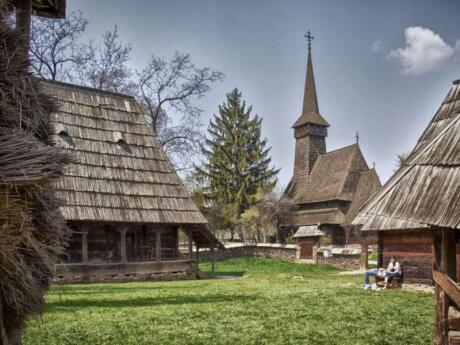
376	45
424	51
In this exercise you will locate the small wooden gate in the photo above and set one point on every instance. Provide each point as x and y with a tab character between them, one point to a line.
306	250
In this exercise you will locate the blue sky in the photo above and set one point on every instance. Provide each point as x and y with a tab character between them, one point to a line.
381	67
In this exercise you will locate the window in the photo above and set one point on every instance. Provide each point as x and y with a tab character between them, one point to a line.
66	138
123	145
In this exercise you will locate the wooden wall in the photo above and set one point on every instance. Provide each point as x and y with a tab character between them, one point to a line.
413	249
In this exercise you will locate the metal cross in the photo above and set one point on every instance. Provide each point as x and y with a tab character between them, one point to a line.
357	137
309	38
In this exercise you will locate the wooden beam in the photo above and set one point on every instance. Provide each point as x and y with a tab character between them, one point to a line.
190	244
448	286
213	262
23	18
364	251
124	257
84	244
158	246
441	317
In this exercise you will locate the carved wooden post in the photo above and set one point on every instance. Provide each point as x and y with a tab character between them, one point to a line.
84	244
123	231
158	246
190	244
364	251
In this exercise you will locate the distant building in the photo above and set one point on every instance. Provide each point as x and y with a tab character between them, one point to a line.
327	187
124	202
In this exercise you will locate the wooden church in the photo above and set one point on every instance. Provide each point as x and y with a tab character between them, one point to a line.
124	202
328	188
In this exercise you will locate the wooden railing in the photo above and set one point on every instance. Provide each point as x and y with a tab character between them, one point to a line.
447	294
450	288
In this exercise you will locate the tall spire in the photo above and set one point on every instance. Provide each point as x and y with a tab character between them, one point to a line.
310	109
310	102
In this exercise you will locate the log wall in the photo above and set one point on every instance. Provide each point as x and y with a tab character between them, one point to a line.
413	250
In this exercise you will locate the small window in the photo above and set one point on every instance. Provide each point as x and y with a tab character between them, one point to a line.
123	145
66	138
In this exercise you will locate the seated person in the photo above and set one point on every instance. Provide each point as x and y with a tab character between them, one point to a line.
393	270
376	272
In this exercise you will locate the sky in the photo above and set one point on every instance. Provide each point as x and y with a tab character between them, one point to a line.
382	68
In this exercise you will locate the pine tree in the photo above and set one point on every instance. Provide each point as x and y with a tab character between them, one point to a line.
238	162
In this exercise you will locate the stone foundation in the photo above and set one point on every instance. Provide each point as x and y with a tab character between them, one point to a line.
133	271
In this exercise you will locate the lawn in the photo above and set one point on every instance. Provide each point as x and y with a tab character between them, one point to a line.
271	302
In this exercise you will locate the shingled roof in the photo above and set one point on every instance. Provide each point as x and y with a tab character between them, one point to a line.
342	174
425	191
121	172
333	176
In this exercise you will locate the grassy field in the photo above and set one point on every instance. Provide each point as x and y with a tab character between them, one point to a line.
272	302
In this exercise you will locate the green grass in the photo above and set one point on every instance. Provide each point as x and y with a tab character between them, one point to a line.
272	302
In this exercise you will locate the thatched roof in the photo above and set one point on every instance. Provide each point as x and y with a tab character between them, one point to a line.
342	175
425	191
122	173
308	231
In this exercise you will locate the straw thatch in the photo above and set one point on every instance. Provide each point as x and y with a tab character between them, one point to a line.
425	191
31	228
121	173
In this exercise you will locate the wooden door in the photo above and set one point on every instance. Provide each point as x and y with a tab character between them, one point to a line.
306	250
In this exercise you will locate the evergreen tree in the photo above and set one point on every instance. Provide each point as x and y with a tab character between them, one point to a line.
238	162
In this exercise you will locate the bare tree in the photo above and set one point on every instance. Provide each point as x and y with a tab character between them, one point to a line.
55	51
171	86
163	88
274	212
108	68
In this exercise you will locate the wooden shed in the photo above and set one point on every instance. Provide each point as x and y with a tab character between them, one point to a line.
328	188
417	212
124	202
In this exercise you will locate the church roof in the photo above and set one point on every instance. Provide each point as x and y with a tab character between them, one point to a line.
425	191
337	175
310	109
121	173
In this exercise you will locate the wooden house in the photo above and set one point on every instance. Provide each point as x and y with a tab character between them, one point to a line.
124	202
328	188
421	198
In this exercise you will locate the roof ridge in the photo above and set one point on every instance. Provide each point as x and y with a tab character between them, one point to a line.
83	87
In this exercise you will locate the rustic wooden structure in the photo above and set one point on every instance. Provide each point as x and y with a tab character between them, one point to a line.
123	199
327	187
417	212
308	241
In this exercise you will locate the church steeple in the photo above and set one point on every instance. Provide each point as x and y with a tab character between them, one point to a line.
310	102
310	109
310	129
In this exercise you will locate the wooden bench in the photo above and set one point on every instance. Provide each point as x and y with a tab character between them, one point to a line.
393	282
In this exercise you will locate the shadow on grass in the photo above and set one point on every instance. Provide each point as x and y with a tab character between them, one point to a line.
142	302
87	289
